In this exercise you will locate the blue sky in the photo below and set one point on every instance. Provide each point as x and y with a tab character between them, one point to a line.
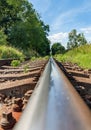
63	16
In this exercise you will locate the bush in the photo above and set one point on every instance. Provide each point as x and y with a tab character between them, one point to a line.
80	55
26	68
33	58
3	38
10	52
15	63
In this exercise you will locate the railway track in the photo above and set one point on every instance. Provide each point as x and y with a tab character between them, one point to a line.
80	79
54	104
16	86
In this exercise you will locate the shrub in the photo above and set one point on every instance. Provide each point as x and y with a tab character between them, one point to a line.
10	52
3	38
26	68
15	63
80	55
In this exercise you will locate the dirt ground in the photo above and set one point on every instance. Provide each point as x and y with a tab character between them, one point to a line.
23	79
81	80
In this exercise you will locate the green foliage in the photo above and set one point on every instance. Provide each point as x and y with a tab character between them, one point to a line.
46	57
80	55
26	68
8	15
57	48
72	39
23	27
75	39
19	37
3	38
9	52
15	63
33	58
39	58
81	39
22	58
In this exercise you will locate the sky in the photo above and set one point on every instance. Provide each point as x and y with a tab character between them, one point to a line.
64	15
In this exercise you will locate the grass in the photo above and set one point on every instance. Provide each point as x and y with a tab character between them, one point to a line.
15	63
80	55
10	52
39	58
26	69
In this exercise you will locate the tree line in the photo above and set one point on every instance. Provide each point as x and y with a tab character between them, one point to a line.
22	27
74	40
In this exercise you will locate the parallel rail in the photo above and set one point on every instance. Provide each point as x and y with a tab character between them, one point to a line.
54	105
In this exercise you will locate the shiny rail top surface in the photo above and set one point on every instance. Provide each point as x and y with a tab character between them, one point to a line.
55	105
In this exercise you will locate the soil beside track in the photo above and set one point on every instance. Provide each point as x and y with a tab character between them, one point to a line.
16	86
80	79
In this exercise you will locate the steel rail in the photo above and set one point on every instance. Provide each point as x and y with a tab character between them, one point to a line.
55	104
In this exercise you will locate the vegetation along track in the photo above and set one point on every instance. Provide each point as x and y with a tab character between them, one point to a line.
54	103
16	86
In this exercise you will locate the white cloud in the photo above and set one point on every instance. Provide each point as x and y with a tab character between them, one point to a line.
59	37
87	32
62	37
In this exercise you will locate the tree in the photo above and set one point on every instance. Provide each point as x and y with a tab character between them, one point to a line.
75	39
23	27
57	48
72	39
81	39
3	38
8	15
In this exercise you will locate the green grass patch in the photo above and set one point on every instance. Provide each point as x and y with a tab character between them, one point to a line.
39	58
26	69
80	55
10	52
15	63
